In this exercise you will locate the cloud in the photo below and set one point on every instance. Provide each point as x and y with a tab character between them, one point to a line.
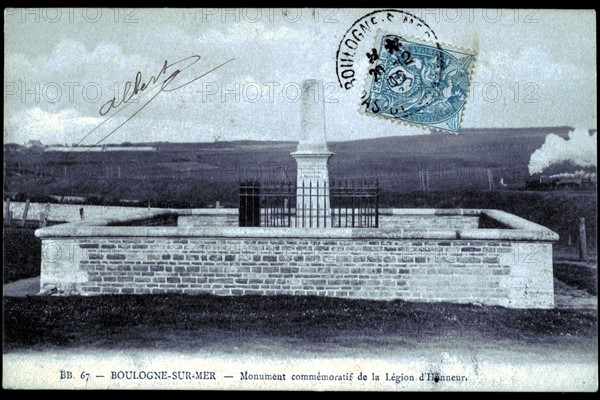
70	126
105	55
579	148
49	127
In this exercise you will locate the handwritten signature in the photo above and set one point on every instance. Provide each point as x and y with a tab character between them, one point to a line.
132	91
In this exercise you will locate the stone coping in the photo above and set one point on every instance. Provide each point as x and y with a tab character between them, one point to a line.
431	211
518	229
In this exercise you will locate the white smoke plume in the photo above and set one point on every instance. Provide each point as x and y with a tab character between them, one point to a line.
579	148
576	175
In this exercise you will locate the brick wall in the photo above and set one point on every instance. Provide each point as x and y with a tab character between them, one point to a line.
506	273
429	222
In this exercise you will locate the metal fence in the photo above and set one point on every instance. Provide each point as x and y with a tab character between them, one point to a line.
354	205
309	205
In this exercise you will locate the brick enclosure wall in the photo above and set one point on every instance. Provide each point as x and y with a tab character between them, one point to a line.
429	222
208	220
385	221
70	212
511	274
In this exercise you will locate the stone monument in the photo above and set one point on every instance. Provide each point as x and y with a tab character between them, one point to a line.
312	156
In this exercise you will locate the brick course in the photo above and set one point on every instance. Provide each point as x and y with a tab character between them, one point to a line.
511	274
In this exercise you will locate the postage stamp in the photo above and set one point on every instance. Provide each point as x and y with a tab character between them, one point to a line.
417	82
277	199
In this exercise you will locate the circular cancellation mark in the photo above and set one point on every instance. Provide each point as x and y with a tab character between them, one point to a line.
365	30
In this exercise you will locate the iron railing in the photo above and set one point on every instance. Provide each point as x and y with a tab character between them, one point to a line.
309	205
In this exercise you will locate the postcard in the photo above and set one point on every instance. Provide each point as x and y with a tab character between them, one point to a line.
300	199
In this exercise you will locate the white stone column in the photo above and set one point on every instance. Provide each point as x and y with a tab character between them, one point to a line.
312	156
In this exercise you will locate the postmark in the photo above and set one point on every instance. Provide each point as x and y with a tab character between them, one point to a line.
416	82
360	35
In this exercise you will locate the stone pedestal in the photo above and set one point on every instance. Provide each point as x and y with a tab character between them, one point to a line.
312	155
312	196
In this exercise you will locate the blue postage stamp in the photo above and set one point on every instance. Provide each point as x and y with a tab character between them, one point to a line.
417	83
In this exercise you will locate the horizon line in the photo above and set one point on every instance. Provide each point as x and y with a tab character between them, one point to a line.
431	132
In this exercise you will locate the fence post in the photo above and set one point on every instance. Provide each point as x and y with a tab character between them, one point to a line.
25	211
286	208
46	214
490	179
352	197
8	214
310	192
582	240
377	205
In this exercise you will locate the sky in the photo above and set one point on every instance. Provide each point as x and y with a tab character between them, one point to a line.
62	67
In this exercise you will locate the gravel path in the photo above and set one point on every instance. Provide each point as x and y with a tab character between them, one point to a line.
22	288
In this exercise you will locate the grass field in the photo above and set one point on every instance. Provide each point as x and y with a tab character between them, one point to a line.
582	276
198	174
22	253
182	322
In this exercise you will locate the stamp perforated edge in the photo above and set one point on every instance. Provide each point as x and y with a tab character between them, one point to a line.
427	128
